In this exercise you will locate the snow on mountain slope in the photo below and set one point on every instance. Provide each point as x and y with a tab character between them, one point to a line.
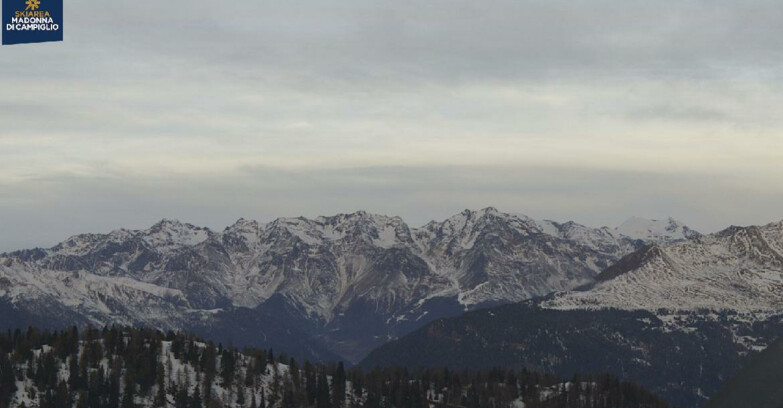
495	256
667	230
624	238
97	299
679	317
358	274
740	268
603	240
184	380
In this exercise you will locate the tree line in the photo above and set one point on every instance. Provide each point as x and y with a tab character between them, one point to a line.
125	367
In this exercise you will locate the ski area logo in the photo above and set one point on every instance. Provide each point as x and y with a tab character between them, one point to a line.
33	4
32	21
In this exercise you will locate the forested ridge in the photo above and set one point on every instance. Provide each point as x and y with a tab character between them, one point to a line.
756	385
129	367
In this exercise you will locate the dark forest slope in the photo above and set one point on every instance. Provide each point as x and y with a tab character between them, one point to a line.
759	384
140	368
680	365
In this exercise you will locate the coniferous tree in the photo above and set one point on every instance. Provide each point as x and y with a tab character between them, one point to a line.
180	397
227	367
7	380
98	374
195	400
241	398
160	380
338	386
81	401
128	396
323	399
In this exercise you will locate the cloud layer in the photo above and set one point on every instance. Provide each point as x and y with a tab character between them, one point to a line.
593	111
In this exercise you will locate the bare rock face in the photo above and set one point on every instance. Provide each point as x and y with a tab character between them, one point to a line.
349	282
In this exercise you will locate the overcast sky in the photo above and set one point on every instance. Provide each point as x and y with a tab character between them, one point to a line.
591	111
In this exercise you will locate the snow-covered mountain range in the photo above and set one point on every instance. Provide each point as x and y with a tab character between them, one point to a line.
679	317
348	282
740	268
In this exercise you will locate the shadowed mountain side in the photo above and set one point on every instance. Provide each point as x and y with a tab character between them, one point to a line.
680	365
757	385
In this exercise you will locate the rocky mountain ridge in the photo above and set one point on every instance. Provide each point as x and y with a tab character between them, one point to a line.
350	282
679	318
739	268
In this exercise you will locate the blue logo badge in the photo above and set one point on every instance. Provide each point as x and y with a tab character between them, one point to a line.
32	21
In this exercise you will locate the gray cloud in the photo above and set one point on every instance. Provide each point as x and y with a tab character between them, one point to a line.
592	111
65	205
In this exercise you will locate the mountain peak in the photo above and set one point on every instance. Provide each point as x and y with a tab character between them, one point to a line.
167	223
243	224
168	232
478	213
635	221
489	210
667	229
632	261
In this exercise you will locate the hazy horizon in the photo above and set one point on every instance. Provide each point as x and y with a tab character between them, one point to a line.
218	228
588	111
